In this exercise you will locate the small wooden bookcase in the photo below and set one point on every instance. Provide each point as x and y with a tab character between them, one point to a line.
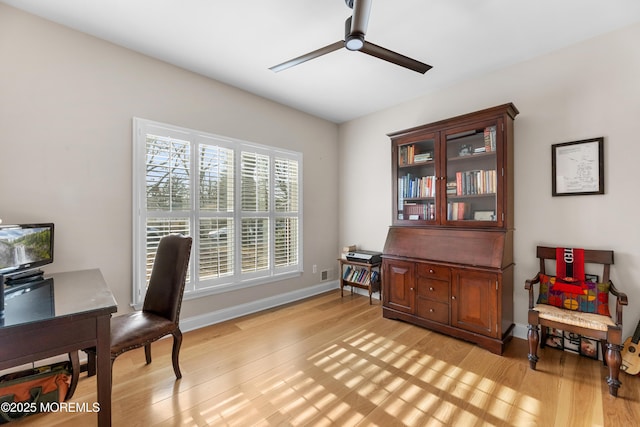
360	275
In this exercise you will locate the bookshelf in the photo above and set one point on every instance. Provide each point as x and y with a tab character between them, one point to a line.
452	175
360	275
448	258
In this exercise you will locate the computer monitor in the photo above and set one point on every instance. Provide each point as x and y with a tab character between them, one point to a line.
24	248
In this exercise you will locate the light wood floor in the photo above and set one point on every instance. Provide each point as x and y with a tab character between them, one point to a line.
336	361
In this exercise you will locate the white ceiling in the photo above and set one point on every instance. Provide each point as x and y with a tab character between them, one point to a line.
236	41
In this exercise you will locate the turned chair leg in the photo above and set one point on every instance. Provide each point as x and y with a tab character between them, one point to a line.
533	338
74	358
147	353
614	360
177	342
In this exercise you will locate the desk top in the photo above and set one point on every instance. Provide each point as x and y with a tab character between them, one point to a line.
57	296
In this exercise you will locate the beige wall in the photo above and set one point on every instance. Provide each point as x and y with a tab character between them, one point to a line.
67	99
66	107
584	91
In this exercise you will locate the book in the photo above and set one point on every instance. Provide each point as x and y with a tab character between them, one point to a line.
423	157
461	210
490	138
452	188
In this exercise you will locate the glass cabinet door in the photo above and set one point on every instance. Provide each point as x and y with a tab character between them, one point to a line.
472	175
416	186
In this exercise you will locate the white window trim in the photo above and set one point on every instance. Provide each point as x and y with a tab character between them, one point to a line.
238	280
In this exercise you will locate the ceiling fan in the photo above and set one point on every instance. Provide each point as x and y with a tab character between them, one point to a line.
355	29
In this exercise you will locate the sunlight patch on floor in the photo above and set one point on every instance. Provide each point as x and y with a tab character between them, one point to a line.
354	379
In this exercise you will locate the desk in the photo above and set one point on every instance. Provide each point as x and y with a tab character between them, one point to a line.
68	312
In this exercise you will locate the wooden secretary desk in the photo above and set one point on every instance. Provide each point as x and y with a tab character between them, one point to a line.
448	257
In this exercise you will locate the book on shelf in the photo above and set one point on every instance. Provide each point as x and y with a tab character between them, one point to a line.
360	275
407	155
476	182
452	188
422	157
410	186
490	138
422	211
457	211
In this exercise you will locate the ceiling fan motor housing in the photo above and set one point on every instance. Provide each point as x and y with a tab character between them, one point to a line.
352	40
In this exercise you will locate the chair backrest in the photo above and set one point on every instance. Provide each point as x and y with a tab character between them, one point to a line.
168	276
591	256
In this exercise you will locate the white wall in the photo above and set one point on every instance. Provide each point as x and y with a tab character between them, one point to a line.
66	107
67	99
584	91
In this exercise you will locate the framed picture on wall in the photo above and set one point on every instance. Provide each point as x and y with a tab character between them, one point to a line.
577	168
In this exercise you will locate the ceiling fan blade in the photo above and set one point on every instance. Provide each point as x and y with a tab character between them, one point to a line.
306	57
398	59
360	21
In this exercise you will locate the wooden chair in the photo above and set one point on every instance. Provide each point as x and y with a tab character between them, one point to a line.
603	328
161	308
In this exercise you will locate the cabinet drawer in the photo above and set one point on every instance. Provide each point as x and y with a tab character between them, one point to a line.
432	310
431	270
433	289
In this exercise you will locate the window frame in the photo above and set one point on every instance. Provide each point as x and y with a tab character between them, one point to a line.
196	287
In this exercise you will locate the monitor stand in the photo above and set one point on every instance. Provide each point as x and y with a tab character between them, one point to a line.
25	277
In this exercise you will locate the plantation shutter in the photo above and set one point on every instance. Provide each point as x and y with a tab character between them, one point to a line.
254	238
286	210
216	230
168	191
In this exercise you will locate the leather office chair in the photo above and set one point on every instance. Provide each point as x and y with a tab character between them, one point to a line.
161	308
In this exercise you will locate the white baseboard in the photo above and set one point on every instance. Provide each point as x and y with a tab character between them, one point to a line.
196	322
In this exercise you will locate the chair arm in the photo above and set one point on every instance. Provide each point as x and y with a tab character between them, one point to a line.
621	299
528	285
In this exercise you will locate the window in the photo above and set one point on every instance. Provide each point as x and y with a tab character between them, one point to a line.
240	202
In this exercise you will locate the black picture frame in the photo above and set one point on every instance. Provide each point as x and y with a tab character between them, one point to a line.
572	342
577	167
589	348
554	338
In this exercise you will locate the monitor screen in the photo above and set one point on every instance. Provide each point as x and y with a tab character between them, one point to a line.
25	247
